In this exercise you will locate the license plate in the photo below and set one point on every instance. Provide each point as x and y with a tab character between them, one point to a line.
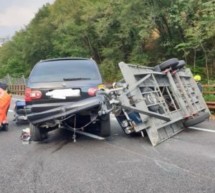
63	93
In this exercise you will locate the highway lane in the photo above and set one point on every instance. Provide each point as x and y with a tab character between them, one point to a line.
184	163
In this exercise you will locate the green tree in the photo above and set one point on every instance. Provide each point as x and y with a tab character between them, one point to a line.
140	31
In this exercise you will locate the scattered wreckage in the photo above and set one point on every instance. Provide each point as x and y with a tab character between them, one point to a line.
160	101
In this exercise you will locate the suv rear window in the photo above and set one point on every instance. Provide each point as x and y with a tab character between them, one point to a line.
64	70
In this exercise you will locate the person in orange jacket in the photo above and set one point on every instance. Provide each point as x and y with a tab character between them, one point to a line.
5	99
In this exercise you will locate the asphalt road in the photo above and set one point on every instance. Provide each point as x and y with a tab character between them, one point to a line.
120	164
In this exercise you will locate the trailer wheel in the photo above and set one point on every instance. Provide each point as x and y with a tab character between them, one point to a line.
198	119
169	63
151	99
180	65
36	133
157	68
105	126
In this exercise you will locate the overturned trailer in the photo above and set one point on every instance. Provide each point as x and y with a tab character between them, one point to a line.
161	101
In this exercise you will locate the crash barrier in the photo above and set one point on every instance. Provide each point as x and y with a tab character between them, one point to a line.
208	89
211	105
15	85
17	89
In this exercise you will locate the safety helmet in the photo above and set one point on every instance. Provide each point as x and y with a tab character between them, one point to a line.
197	78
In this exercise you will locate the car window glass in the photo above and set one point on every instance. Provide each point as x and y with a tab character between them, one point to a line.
60	70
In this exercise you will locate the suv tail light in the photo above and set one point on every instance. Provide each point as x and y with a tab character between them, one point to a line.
32	94
92	91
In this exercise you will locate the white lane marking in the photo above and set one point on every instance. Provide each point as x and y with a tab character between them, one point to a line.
202	129
10	111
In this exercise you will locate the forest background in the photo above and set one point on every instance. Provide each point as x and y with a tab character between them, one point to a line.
144	32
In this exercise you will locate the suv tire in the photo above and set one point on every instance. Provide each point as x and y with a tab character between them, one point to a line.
36	134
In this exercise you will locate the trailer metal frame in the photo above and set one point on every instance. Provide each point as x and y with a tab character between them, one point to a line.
162	101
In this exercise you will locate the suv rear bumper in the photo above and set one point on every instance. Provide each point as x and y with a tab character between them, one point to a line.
58	111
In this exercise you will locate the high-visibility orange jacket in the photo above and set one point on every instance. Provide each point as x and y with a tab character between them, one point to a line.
5	99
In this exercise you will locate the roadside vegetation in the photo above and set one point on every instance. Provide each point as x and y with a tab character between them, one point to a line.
140	31
209	91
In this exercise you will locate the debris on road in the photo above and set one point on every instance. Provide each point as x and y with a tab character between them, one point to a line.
25	136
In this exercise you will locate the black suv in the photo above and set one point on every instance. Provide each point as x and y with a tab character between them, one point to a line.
61	92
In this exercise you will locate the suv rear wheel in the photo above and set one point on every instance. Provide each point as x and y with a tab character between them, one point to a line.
36	133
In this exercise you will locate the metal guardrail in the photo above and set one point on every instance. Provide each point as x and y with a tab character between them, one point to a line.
209	89
15	85
211	105
17	89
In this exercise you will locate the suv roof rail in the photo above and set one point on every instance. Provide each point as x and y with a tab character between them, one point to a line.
66	58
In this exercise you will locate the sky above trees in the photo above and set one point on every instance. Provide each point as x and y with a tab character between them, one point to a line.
16	14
